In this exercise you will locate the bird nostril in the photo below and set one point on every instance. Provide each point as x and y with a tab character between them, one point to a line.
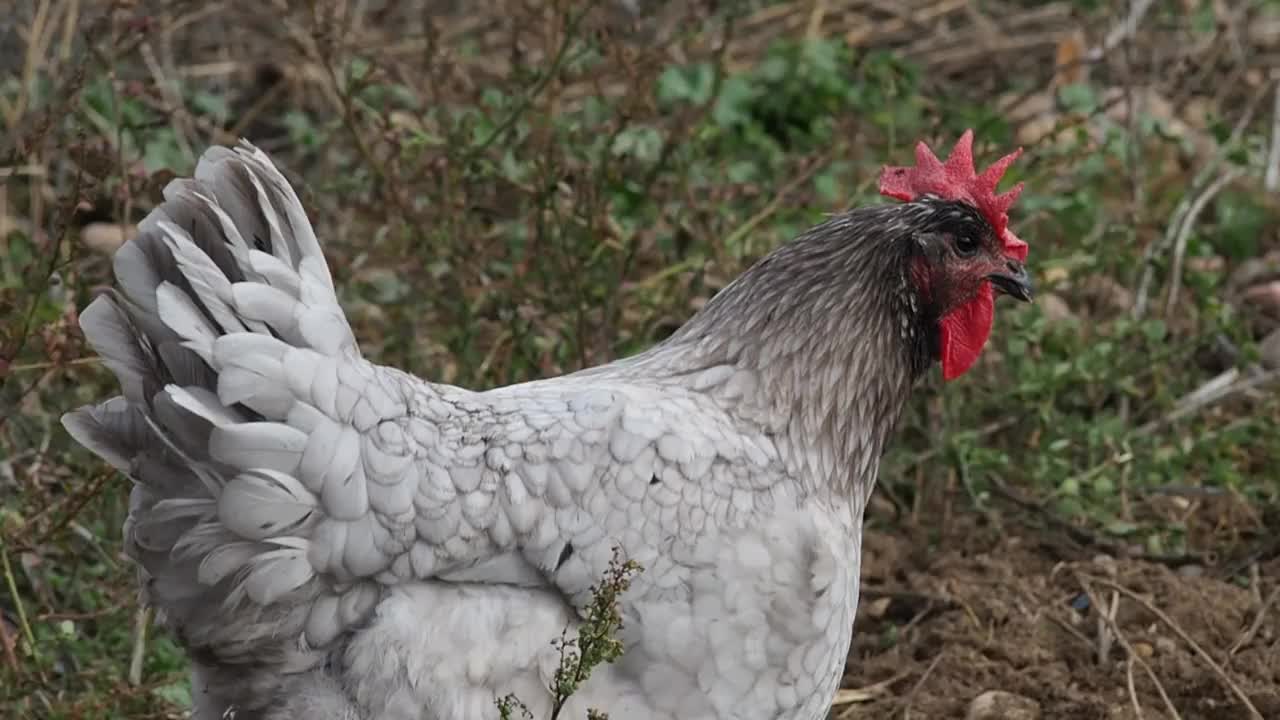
1013	266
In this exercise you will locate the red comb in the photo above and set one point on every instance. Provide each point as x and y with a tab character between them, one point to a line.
956	180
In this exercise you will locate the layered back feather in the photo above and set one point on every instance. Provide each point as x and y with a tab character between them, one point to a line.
222	277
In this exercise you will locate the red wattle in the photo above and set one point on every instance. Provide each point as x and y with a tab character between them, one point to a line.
964	332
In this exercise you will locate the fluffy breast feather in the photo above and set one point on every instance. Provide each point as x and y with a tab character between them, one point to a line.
760	632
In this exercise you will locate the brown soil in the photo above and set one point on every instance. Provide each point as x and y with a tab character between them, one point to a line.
975	608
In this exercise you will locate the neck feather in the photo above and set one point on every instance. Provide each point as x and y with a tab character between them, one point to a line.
822	340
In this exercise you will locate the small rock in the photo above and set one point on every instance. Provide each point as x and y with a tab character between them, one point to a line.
1191	571
1001	705
1105	563
368	312
878	607
1254	271
1269	349
1105	292
1056	274
1264	296
106	238
1199	112
1055	309
1143	649
1124	711
1206	263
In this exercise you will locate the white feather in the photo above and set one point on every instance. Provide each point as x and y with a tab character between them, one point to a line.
210	285
323	621
261	504
256	380
235	241
275	272
345	494
164	522
324	329
225	560
275	574
329	446
135	275
362	554
323	391
258	445
109	331
181	315
229	348
249	355
204	403
305	417
269	305
281	246
303	366
312	256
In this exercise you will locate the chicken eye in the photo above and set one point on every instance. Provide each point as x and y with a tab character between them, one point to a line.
965	245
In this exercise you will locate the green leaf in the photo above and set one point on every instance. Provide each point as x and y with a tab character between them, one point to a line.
1122	528
827	185
640	142
1078	98
177	694
689	84
1241	222
732	107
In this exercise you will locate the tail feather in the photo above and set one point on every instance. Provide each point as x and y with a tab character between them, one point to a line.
210	285
223	286
116	431
185	367
114	336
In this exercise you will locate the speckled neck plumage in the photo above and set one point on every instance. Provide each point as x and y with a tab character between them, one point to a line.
834	334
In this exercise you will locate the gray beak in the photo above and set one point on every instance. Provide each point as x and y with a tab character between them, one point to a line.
1014	281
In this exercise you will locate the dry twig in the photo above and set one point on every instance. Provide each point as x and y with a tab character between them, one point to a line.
1201	180
1124	642
853	696
1226	385
1186	638
1133	692
1247	636
1184	232
911	694
1272	180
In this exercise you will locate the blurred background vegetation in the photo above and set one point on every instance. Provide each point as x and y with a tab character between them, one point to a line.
510	189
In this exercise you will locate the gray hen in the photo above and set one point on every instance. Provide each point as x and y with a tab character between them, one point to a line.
330	538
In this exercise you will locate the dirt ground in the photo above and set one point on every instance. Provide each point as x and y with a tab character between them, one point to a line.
977	608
